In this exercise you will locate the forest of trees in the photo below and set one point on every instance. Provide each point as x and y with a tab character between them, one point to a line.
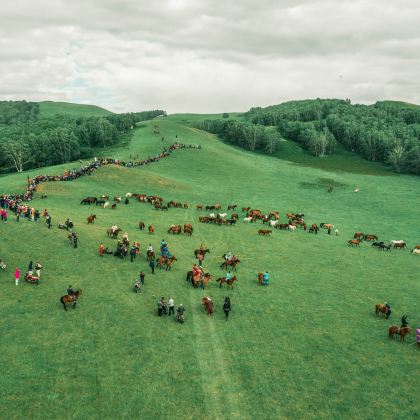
387	132
29	142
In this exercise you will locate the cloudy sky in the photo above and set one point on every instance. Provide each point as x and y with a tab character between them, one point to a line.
208	55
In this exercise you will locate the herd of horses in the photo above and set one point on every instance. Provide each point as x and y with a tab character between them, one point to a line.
359	237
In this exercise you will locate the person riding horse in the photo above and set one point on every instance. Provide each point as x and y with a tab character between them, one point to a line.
149	248
228	257
404	321
71	292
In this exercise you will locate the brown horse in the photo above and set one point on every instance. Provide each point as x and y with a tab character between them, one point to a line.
229	282
91	219
113	235
150	255
246	209
151	229
141	225
232	263
260	278
167	261
274	215
185	205
201	252
208	305
199	207
402	332
354	242
175	229
264	232
370	238
188	229
359	235
400	245
70	299
380	308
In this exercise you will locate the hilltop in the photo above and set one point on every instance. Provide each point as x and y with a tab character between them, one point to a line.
49	109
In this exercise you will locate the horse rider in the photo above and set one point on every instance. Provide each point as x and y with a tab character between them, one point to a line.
228	276
125	237
195	270
149	248
228	257
266	278
404	321
226	307
180	313
113	229
71	292
387	309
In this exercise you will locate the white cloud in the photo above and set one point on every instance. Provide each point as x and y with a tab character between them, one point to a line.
208	56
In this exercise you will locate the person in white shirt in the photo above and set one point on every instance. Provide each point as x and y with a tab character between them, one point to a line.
171	305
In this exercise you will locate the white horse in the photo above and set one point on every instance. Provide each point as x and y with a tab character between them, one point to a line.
222	215
212	216
247	219
273	223
106	204
336	232
292	228
128	195
400	241
415	251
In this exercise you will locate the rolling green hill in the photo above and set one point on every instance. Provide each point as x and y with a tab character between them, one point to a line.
307	346
50	108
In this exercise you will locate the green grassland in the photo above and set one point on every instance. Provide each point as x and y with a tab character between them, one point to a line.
48	109
308	346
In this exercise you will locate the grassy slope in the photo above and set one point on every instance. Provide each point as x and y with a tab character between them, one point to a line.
308	346
50	108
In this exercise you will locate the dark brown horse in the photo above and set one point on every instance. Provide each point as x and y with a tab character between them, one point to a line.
150	255
229	282
260	278
141	225
91	219
402	332
70	299
208	305
188	229
201	252
354	242
151	229
230	263
175	229
359	235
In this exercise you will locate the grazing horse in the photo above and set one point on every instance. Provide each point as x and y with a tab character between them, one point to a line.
91	219
199	207
150	255
208	305
70	299
114	206
151	229
415	251
260	278
402	332
380	308
354	242
175	229
188	229
326	226
232	206
229	282
274	215
282	226
141	225
117	199
384	247
246	209
265	232
106	204
234	216
113	235
359	235
398	245
370	238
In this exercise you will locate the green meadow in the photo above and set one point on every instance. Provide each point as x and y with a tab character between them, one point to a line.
307	346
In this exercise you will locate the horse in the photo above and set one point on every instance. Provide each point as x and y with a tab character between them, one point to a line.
91	219
292	227
384	247
185	206
199	207
228	263
354	242
370	238
208	305
260	278
246	209
141	225
150	255
168	261
175	229
275	215
104	197
113	234
234	216
89	200
264	232
232	206
380	308
70	299
378	244
398	245
100	202
151	230
326	226
359	235
415	251
402	332
229	282
114	206
117	198
188	229
106	204
273	223
282	226
201	251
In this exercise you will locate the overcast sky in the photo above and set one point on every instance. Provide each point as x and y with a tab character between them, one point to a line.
208	55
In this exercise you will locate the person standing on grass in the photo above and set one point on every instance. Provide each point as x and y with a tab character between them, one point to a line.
48	221
142	276
30	268
38	268
132	253
101	249
226	307
152	265
171	305
17	276
159	307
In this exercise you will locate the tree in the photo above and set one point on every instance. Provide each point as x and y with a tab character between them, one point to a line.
18	152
